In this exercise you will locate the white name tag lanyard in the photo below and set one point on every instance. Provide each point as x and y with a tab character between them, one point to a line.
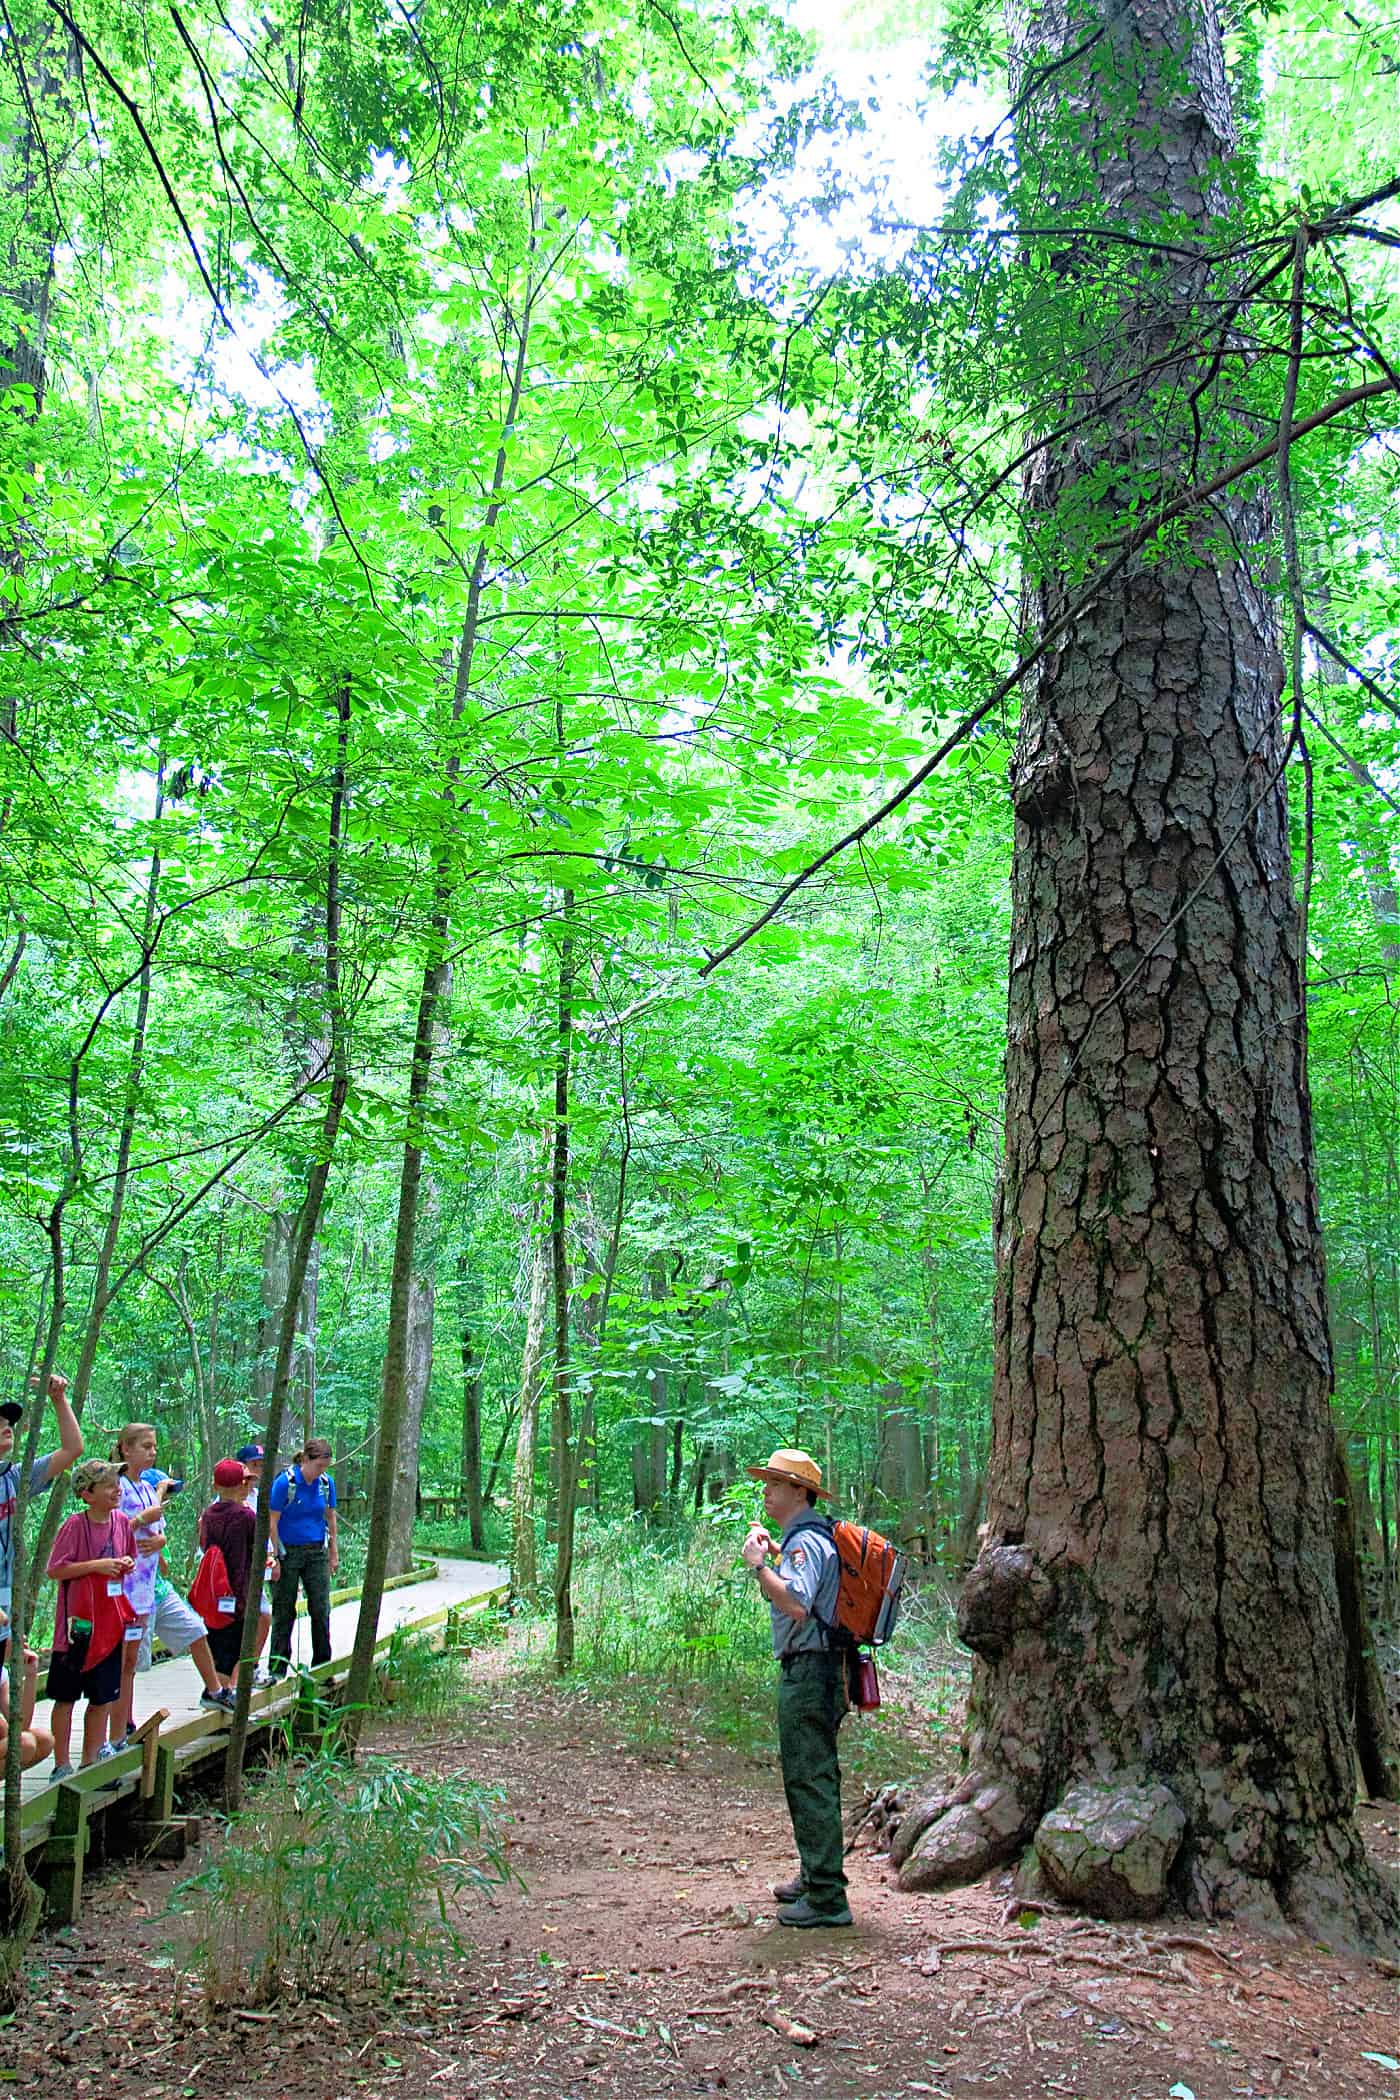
114	1582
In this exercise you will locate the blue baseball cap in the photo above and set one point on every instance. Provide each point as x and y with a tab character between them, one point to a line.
249	1454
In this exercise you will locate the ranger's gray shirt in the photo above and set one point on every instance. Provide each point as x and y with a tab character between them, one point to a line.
809	1567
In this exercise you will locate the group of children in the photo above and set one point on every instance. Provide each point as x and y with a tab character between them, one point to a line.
113	1596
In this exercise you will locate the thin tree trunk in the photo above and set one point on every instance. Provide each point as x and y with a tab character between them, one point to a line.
19	1913
488	1493
649	1437
304	1234
972	1482
305	1359
524	1564
1375	1742
418	1372
471	1413
431	999
566	1458
273	1285
677	1460
46	60
100	1299
393	1404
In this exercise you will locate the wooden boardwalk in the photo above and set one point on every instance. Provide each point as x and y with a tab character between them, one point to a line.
130	1803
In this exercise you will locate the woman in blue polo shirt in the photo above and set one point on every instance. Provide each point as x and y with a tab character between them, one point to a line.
301	1524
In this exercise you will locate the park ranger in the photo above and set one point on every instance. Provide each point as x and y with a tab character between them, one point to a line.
801	1593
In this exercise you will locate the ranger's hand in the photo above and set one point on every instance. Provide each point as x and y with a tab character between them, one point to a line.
756	1547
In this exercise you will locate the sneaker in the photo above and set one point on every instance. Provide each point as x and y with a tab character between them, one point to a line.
788	1891
60	1772
106	1754
801	1913
224	1701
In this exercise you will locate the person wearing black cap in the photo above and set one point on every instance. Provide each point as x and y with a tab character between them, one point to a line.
252	1458
43	1471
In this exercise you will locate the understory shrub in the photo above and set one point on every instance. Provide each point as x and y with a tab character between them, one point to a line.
452	1536
670	1603
419	1678
668	1619
338	1879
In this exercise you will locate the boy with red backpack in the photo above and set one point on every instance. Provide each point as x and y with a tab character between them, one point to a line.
220	1589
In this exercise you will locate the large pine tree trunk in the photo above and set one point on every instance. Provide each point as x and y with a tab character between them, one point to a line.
1154	1606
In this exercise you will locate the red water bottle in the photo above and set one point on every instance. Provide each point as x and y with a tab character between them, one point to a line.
867	1685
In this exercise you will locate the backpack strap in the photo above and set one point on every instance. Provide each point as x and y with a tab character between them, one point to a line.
815	1520
834	1635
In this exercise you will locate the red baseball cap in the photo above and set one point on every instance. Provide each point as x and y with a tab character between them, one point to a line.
229	1474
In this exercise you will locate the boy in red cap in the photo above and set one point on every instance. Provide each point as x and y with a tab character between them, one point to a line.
229	1524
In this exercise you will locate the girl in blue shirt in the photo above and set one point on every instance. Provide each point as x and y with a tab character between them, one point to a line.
302	1529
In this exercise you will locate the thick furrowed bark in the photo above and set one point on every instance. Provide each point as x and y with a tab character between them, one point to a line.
1155	1605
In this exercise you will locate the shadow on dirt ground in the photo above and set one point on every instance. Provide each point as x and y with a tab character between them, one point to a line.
641	1958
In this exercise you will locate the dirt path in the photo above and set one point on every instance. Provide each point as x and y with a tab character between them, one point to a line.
641	1960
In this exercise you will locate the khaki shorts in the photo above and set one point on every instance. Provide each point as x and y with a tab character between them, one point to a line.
177	1624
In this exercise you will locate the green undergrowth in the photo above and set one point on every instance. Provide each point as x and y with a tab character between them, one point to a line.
337	1880
452	1535
671	1633
420	1679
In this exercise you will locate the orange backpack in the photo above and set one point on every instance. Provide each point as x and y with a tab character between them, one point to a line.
872	1576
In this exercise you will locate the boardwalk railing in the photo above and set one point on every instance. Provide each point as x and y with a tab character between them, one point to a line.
130	1806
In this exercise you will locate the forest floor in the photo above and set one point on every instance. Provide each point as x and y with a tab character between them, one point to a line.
641	1959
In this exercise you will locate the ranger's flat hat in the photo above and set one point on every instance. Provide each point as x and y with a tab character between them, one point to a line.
794	1467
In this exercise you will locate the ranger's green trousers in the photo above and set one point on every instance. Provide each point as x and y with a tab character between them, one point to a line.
811	1707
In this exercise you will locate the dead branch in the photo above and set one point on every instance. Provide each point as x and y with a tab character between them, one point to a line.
791	2030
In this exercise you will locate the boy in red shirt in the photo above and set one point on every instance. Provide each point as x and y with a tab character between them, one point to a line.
229	1524
93	1551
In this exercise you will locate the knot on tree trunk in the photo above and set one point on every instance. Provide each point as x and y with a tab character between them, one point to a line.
982	1826
1006	1591
1042	777
1109	1848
